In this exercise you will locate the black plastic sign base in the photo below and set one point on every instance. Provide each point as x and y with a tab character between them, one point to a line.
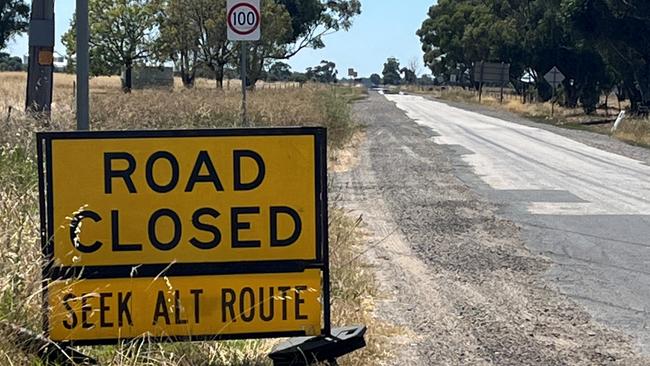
306	351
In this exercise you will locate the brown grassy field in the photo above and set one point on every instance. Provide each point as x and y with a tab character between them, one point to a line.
20	256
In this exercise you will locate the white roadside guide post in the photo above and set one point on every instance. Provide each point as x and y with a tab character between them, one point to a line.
618	122
244	23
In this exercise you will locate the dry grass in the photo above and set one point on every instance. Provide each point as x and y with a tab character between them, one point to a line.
635	131
20	256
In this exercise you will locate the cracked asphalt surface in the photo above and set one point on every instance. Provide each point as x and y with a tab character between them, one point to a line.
460	275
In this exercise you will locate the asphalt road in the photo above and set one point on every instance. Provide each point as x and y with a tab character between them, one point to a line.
586	209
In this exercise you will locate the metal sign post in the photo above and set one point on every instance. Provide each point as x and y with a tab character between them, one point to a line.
491	72
41	58
503	80
83	66
244	22
480	86
244	84
352	74
555	78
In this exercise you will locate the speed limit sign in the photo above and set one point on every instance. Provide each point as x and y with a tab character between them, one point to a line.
244	20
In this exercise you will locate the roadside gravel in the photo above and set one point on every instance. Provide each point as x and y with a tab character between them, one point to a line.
454	276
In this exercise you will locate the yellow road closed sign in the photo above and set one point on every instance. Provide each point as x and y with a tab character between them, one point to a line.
196	234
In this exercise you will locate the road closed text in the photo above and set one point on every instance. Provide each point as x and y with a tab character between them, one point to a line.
207	199
185	306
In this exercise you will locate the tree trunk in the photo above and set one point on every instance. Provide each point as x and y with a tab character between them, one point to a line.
571	96
634	95
127	86
218	75
187	76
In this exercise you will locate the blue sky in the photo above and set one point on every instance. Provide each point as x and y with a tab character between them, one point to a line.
386	28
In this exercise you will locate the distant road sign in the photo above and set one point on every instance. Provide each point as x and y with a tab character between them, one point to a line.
244	20
184	234
554	77
528	77
490	72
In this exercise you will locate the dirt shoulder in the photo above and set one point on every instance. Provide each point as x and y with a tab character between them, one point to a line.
454	276
593	139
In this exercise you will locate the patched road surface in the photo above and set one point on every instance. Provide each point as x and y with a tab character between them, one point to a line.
497	243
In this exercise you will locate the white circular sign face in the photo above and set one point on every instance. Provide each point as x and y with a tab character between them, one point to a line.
244	19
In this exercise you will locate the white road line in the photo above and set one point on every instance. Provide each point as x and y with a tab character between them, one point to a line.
509	156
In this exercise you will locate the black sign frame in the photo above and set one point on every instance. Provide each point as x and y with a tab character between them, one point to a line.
49	272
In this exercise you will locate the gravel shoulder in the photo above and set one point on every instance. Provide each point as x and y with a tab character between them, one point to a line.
593	139
454	276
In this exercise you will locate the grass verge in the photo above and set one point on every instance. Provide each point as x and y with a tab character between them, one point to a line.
20	255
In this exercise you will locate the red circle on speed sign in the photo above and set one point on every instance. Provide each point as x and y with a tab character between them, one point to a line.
243	19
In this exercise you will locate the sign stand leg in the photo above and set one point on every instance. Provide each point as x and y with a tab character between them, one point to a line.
307	351
244	102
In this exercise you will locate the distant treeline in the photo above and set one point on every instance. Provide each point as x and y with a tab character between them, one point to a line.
602	46
9	63
192	34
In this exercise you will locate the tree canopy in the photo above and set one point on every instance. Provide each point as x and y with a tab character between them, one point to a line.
121	33
391	72
279	71
595	43
375	79
324	73
13	19
192	34
9	63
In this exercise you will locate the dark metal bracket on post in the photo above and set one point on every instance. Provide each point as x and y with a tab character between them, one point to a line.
306	351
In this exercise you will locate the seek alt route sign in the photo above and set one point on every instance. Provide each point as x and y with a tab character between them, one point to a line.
177	235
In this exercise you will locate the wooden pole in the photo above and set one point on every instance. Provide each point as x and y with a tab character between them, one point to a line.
41	58
83	66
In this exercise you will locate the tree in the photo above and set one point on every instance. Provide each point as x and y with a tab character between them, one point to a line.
375	79
324	73
179	38
531	34
294	25
121	34
415	66
8	63
193	33
392	72
299	77
279	71
312	20
276	34
13	19
426	80
410	77
617	30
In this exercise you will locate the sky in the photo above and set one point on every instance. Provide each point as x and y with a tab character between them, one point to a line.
385	28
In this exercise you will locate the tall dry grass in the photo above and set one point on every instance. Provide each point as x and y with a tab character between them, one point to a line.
20	256
636	131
